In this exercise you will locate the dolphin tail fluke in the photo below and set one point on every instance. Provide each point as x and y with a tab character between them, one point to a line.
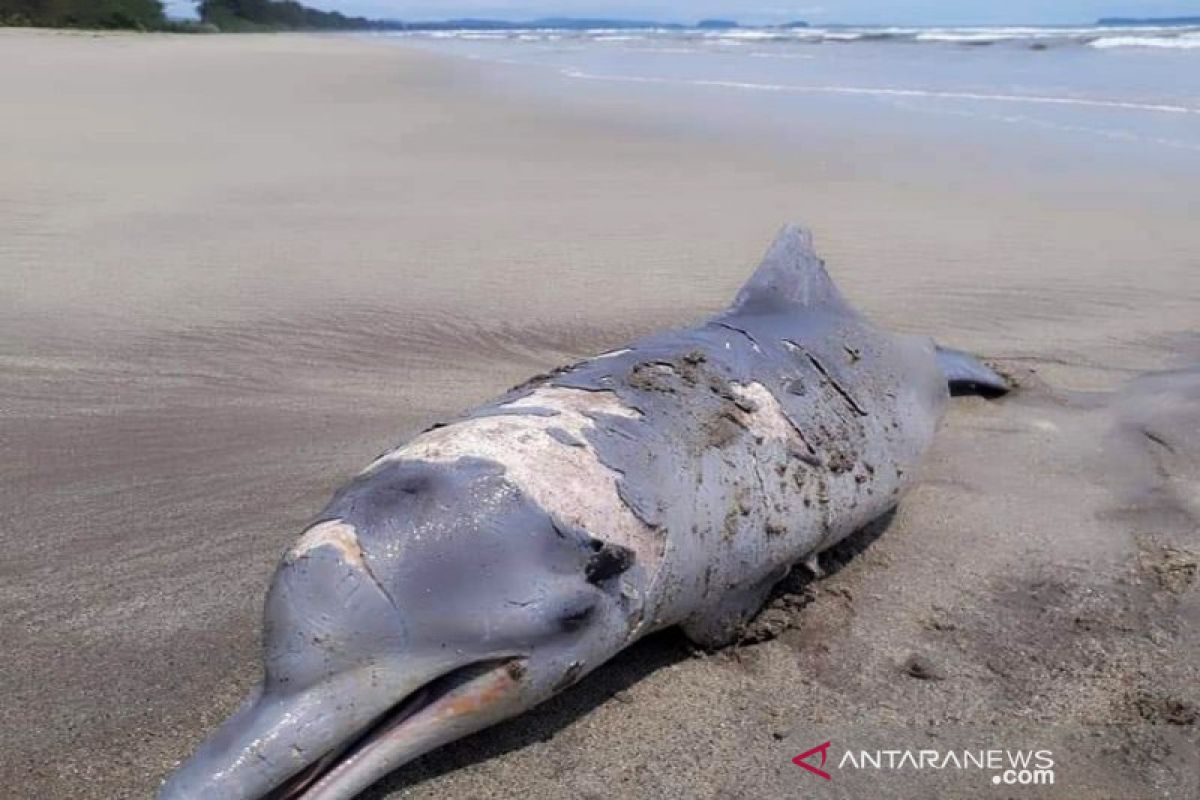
968	375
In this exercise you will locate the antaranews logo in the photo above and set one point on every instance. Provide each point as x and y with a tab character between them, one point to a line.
1009	767
800	760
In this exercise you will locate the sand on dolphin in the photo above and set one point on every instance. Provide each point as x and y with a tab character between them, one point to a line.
238	268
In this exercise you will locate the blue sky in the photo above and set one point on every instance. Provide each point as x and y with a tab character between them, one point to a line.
854	11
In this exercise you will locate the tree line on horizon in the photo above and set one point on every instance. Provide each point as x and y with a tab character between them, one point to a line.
235	15
224	15
135	14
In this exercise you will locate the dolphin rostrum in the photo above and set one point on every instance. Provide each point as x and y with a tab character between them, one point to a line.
487	564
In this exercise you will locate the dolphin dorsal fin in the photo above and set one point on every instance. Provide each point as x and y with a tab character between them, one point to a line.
791	276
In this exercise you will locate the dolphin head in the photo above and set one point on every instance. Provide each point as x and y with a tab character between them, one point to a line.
428	601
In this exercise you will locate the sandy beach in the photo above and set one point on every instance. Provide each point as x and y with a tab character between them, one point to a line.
237	268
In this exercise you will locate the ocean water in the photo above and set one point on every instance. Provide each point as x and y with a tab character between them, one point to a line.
1128	93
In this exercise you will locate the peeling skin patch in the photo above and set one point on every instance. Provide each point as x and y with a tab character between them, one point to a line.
768	419
568	401
561	436
336	534
550	459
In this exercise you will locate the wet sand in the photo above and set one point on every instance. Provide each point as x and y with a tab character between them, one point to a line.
238	268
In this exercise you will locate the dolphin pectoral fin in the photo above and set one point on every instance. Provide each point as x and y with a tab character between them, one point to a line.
722	622
968	375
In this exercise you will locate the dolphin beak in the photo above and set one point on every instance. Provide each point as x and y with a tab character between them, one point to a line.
461	703
332	741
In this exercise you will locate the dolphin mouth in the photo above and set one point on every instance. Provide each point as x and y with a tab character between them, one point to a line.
408	729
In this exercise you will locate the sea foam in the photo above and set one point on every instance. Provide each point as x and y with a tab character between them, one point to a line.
1187	41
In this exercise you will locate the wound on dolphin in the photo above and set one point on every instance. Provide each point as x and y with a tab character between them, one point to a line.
490	562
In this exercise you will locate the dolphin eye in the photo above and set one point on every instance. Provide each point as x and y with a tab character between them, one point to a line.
576	617
607	561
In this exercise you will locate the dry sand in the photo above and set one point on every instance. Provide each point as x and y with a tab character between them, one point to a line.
237	268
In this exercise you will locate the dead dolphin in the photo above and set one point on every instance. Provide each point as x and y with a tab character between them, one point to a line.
487	564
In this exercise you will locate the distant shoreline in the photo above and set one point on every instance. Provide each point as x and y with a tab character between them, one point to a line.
290	17
1168	22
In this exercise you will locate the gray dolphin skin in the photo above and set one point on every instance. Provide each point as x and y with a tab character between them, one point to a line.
489	563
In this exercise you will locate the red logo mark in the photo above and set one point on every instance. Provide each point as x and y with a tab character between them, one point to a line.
800	762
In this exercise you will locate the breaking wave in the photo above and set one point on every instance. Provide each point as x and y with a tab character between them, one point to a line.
1164	108
1100	37
1186	41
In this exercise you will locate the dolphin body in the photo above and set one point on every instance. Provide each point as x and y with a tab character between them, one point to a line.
489	563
